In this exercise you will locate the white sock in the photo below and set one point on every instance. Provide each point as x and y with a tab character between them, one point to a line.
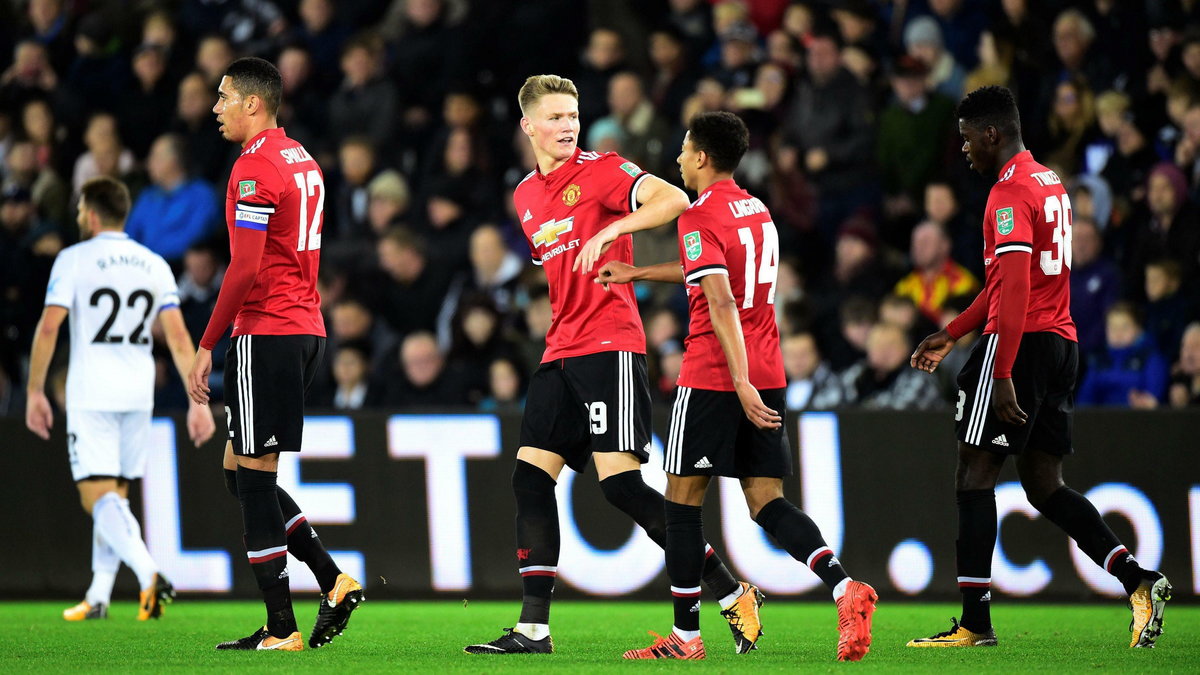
840	589
533	631
121	531
105	564
727	601
686	635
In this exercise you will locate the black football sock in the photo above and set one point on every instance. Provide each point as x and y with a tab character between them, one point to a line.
266	546
231	481
976	541
800	537
628	492
1081	521
685	561
303	542
537	540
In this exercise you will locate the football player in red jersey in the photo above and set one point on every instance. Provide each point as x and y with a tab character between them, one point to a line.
1016	391
590	396
727	420
274	209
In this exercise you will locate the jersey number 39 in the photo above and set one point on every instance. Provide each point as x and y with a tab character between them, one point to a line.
1058	213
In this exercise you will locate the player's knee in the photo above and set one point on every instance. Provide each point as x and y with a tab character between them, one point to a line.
252	480
231	481
622	489
529	479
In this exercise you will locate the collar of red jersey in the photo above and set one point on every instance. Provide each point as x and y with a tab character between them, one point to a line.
1022	156
547	176
273	131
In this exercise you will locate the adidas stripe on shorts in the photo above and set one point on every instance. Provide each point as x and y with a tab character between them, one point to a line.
1044	379
711	436
593	403
266	377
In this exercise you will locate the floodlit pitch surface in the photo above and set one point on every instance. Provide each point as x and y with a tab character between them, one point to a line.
589	637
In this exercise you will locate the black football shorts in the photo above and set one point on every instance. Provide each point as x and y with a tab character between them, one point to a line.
1044	379
585	404
266	377
711	436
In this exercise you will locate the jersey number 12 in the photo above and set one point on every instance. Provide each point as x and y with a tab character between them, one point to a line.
310	185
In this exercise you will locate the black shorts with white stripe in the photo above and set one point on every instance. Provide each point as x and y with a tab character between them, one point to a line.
1043	377
710	436
593	403
266	377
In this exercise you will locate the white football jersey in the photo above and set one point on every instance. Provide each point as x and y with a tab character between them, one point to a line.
113	288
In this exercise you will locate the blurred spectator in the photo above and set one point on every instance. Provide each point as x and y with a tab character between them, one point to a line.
146	107
27	249
158	29
942	207
675	75
916	132
322	33
828	134
1095	284
1168	308
641	129
1091	199
214	53
48	191
302	109
412	295
884	380
1074	38
1130	371
357	165
495	268
739	56
251	25
858	272
30	76
43	130
366	103
98	74
388	202
935	276
447	223
198	287
477	338
1187	150
505	387
603	57
1127	169
197	126
1185	380
538	315
174	211
923	41
812	384
424	379
961	22
101	141
693	20
857	22
1070	127
354	389
426	49
845	342
351	321
901	311
51	27
995	64
1168	228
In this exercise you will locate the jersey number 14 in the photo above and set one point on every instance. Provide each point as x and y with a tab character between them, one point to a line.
767	271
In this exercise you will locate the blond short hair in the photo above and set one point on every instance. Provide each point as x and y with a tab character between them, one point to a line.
537	86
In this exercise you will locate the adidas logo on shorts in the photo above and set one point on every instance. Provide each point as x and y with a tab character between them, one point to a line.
703	463
1000	440
271	442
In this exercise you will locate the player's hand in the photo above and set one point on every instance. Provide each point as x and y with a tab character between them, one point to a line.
615	272
197	381
1004	402
595	247
39	417
756	411
931	351
200	424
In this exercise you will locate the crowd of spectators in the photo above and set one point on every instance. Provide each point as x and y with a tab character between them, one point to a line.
409	106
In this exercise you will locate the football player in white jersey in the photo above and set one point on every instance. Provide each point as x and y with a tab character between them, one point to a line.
112	288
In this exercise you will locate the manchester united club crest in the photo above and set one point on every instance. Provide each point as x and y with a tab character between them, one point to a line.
571	195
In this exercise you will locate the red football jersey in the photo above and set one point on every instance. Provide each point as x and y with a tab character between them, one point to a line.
1028	210
726	231
277	186
559	212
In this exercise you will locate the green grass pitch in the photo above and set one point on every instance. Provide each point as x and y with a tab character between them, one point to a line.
589	636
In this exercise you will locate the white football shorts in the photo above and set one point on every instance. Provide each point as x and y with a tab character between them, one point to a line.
107	444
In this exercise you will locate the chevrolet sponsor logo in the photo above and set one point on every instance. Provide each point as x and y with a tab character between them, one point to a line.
549	232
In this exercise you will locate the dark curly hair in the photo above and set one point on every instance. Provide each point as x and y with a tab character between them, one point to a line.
991	106
723	136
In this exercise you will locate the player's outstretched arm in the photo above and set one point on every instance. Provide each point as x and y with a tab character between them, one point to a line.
617	272
931	351
38	415
660	203
201	426
727	324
